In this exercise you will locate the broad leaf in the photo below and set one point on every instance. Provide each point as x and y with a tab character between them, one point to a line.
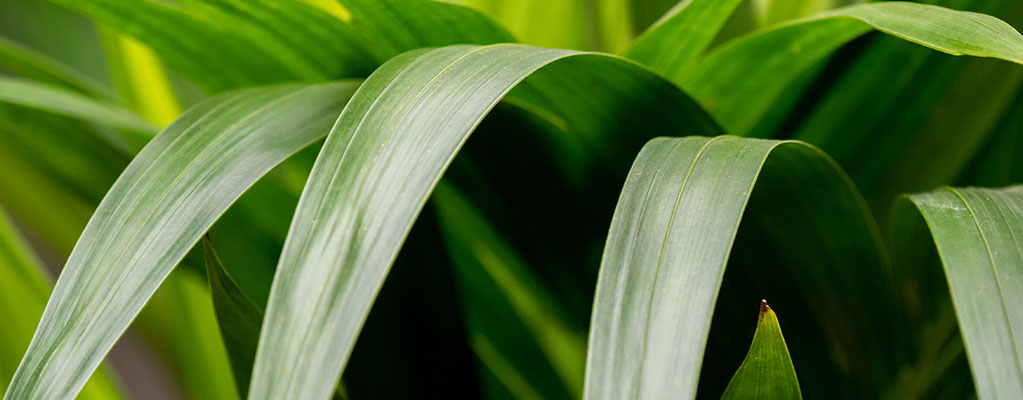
978	237
378	166
168	196
767	371
670	240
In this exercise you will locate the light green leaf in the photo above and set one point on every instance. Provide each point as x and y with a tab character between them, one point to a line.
227	44
378	166
170	194
135	130
672	235
979	236
675	42
767	371
24	287
739	81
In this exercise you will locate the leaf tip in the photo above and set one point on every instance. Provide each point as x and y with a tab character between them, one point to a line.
764	308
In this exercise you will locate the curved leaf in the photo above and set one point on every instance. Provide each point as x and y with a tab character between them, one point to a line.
979	236
23	290
227	44
740	80
378	166
675	42
171	193
70	104
672	235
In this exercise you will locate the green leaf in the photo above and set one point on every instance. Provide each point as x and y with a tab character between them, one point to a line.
571	24
739	81
396	26
675	42
24	287
978	236
238	317
937	111
171	193
671	237
227	44
136	131
379	164
767	371
510	312
34	65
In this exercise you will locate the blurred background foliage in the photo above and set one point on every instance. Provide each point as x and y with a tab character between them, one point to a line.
491	294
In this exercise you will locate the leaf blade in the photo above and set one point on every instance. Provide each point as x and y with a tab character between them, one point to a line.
412	117
192	172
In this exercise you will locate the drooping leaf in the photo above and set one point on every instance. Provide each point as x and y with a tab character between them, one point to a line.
978	234
767	371
670	240
136	131
34	65
739	81
227	44
901	119
378	166
192	172
23	291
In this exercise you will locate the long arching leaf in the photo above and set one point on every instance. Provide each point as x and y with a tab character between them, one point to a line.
378	166
171	193
979	237
740	80
23	291
670	240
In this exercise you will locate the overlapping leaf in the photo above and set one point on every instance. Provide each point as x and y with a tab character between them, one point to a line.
159	207
670	240
739	81
387	151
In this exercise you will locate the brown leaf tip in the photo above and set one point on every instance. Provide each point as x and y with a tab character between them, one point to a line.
763	307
